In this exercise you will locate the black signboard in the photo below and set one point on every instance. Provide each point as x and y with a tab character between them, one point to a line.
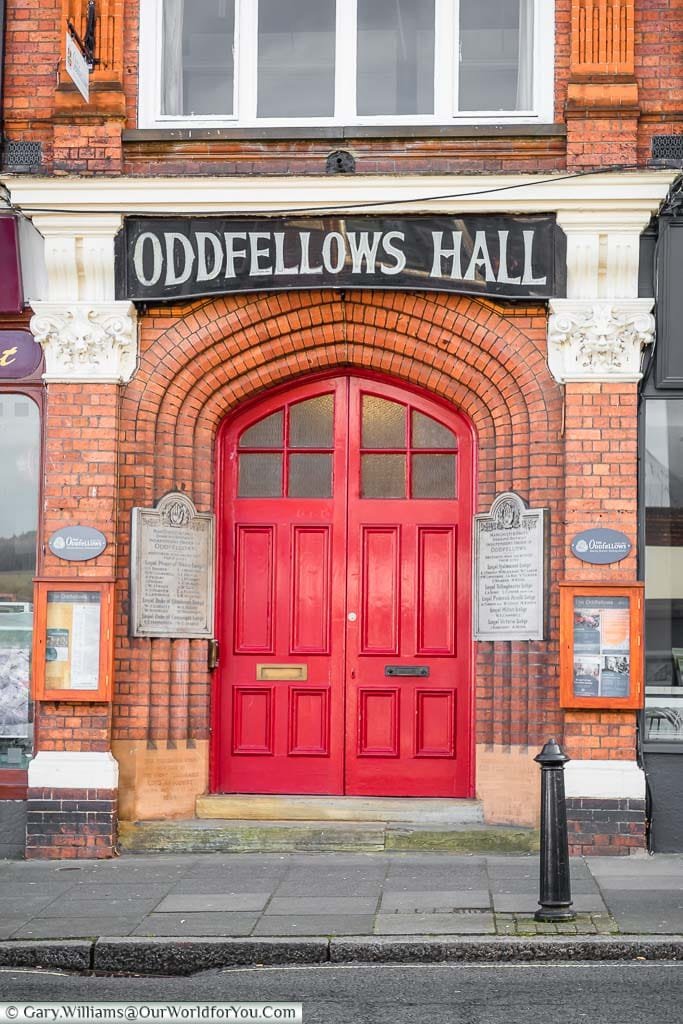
162	259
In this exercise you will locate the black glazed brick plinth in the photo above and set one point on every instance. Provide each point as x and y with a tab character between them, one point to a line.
604	827
71	824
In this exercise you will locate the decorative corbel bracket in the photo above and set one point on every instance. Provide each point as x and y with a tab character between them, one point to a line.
86	341
598	340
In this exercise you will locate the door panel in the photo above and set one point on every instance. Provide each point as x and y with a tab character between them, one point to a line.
408	574
284	496
345	579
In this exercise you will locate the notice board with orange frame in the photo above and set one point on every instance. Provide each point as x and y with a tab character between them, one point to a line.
601	645
73	640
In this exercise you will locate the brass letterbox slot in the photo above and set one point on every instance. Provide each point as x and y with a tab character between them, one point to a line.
265	673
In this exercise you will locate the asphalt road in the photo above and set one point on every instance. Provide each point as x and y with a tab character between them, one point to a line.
599	993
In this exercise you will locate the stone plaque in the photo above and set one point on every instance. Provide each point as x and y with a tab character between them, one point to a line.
172	570
509	571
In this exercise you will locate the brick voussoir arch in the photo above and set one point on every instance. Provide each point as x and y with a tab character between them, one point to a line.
181	368
192	432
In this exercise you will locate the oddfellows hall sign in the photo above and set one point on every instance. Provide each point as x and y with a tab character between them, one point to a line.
160	259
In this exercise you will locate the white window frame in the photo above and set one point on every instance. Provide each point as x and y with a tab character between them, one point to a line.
245	81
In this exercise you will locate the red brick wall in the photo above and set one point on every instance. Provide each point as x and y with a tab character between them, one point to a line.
80	487
34	41
659	69
601	444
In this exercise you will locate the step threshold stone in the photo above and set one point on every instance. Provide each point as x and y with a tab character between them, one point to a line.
340	808
221	836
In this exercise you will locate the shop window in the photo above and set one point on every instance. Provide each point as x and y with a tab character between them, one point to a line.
20	474
664	571
274	62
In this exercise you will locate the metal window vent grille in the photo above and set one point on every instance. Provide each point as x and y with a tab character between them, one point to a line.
22	156
668	147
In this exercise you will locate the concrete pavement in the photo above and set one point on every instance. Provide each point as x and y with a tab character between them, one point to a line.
287	906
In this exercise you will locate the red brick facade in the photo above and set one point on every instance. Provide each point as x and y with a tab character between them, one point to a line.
570	448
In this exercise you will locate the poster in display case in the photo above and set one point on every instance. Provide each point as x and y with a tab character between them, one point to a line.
601	645
72	651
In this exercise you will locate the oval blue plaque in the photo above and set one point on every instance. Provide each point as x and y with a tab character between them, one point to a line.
77	543
601	546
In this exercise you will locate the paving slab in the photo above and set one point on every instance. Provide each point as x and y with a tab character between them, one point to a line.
76	928
321	905
316	924
245	901
438	901
231	924
104	890
104	909
343	887
435	924
647	883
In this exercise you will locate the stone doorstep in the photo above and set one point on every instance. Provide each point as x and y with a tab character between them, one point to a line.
432	811
240	836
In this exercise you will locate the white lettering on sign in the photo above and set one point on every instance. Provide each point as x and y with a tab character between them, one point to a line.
504	259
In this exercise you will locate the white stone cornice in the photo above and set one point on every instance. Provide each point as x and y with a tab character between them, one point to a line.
591	195
87	341
598	340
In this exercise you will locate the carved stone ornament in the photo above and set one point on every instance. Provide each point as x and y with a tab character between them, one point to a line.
86	341
598	340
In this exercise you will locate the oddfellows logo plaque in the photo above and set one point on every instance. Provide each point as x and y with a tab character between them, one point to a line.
510	552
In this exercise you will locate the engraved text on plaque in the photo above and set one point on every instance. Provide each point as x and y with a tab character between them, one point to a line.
172	570
509	571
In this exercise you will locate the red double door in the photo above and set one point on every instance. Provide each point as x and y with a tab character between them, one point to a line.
344	595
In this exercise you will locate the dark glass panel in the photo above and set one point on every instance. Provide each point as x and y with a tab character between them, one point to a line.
260	476
496	54
383	423
395	57
310	476
383	476
20	474
311	423
267	433
296	54
664	571
429	433
432	476
198	64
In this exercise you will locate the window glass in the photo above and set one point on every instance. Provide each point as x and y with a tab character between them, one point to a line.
260	476
266	433
429	433
198	61
296	47
496	52
432	476
383	423
395	57
310	476
664	571
19	470
311	423
383	476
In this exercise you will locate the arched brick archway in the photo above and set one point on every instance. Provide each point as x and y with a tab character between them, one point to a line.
198	363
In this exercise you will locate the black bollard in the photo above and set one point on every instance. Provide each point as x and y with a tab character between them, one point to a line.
556	896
